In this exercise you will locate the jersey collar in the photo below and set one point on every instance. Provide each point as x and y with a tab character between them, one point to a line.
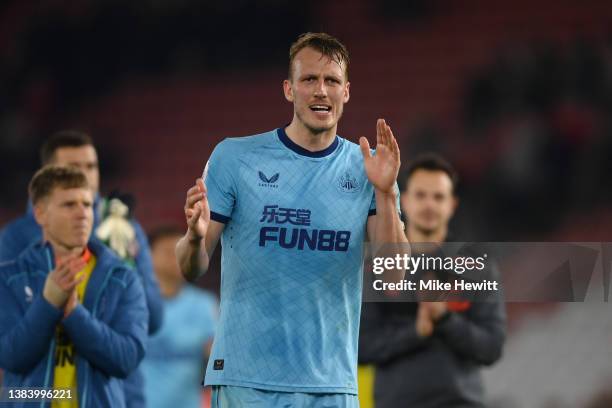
282	135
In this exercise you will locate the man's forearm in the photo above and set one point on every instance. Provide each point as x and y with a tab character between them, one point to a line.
388	227
388	224
192	258
24	340
389	237
480	341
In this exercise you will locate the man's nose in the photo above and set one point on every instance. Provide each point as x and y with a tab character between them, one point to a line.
321	89
429	204
82	210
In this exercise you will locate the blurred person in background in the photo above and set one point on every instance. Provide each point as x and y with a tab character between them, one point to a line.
72	315
177	353
292	208
429	354
113	225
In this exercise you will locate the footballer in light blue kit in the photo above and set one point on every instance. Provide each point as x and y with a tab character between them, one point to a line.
292	208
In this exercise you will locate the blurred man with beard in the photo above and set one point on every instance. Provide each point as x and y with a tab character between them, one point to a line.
429	354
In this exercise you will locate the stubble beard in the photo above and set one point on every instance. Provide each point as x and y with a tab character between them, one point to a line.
316	131
427	231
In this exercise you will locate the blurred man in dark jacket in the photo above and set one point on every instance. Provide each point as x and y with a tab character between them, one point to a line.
429	354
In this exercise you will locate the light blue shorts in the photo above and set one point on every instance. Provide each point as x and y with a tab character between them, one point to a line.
227	396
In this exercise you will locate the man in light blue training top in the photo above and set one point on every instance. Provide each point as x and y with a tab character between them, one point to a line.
292	207
172	366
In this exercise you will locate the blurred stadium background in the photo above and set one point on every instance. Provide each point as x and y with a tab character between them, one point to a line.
517	94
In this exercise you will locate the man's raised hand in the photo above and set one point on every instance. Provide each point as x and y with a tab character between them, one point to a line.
197	212
383	167
62	280
424	324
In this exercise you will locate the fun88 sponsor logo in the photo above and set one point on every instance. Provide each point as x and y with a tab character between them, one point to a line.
294	235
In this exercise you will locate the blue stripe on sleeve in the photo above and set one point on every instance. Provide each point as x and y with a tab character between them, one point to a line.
219	217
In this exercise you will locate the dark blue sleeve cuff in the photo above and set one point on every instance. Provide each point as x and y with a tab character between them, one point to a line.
373	212
219	217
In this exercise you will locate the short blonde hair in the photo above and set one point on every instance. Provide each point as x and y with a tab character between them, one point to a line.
50	177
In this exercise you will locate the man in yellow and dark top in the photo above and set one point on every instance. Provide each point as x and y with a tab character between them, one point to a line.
72	315
114	225
65	370
430	354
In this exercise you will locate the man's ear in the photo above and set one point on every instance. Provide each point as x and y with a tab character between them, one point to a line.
288	90
347	94
455	205
40	213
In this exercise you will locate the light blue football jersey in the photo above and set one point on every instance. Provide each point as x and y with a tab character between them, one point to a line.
292	256
173	362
